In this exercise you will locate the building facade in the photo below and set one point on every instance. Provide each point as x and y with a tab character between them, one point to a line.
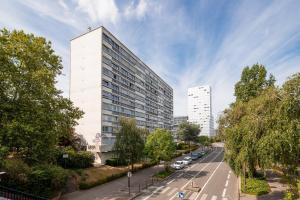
175	125
200	109
108	81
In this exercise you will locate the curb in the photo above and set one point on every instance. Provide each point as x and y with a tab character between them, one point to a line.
239	188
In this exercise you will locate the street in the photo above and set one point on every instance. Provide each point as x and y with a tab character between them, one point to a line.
211	174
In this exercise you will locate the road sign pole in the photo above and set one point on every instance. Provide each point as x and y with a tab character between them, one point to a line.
129	185
129	175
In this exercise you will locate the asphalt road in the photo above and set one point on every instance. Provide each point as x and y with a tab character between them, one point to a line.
208	178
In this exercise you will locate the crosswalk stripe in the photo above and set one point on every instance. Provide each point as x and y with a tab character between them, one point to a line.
192	197
203	197
214	197
166	189
172	191
224	199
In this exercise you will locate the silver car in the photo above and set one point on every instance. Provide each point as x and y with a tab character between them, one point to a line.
178	164
187	160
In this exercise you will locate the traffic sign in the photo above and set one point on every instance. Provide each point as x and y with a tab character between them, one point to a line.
181	195
129	174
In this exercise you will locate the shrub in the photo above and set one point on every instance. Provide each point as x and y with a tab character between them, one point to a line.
46	179
182	146
289	196
80	159
256	186
16	173
115	162
163	174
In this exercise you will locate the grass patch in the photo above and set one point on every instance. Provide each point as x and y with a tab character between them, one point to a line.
255	186
95	176
164	174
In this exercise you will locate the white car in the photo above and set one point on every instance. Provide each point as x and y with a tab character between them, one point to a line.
187	160
178	164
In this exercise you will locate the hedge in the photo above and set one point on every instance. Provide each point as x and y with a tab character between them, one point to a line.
41	180
81	159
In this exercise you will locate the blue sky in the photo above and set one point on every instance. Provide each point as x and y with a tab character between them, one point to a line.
187	43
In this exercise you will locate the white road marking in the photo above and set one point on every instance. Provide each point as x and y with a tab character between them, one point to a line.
153	192
226	184
193	196
211	153
193	166
170	181
203	197
230	172
180	175
228	176
172	191
214	197
224	199
209	179
166	189
224	192
199	172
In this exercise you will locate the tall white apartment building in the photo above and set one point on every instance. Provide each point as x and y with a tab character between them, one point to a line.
108	81
200	109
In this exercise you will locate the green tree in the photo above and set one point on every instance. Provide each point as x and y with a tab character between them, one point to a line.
263	130
33	113
129	144
160	145
253	81
188	133
204	140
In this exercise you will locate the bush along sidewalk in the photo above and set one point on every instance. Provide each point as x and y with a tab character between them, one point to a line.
255	186
104	179
164	174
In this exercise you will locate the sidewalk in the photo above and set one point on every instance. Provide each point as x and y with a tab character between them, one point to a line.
277	189
117	189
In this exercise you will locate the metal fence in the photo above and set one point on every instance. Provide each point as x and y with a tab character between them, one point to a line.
13	194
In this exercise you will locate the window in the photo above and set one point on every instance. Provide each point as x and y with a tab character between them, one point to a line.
105	83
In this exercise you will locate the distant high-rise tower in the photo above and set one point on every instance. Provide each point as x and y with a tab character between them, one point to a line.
200	109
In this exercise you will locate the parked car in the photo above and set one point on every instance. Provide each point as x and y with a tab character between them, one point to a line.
187	160
178	164
203	153
194	156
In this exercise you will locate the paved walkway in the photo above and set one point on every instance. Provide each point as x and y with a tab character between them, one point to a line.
277	189
117	189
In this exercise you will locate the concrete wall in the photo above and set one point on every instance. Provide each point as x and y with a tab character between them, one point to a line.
85	82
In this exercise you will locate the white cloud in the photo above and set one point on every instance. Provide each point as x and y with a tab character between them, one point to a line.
138	10
100	10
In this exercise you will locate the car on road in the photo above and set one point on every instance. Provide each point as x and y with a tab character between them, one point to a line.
194	156
179	164
187	160
202	153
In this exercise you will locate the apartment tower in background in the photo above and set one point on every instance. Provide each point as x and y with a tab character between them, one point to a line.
200	109
108	81
175	125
